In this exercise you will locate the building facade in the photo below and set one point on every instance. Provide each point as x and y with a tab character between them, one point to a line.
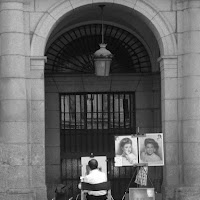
33	83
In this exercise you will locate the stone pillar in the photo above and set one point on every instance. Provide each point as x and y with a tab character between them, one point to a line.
15	181
37	126
189	49
169	102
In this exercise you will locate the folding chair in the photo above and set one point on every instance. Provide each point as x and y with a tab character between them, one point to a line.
95	187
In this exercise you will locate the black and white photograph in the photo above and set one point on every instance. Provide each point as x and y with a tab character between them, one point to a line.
126	153
141	193
151	149
113	78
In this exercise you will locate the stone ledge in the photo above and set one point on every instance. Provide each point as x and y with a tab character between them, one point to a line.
19	191
167	57
37	62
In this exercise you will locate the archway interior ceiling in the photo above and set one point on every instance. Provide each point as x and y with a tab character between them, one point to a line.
72	52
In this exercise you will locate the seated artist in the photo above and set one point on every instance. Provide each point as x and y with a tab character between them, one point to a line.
95	176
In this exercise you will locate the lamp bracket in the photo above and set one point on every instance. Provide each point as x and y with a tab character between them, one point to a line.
102	6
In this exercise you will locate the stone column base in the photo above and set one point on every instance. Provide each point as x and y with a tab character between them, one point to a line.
188	193
181	193
24	194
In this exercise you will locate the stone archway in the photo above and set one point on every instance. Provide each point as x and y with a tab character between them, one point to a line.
168	62
159	25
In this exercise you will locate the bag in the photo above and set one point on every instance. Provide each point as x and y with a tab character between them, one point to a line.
61	192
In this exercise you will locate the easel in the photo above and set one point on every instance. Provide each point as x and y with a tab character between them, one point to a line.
138	167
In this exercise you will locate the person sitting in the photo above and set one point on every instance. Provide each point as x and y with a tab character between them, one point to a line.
95	176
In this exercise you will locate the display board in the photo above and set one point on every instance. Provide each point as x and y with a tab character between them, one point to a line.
151	149
126	150
139	149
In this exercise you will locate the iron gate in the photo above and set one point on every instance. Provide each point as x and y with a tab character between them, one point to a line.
89	122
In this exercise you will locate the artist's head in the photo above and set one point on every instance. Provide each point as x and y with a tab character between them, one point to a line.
126	145
93	164
151	146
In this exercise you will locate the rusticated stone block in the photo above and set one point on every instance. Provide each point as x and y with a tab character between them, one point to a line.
53	172
18	177
52	119
3	196
15	154
38	174
172	175
37	89
13	110
191	64
10	23
37	132
169	193
11	66
3	178
191	131
14	132
12	43
171	153
52	155
37	111
52	138
188	193
37	154
192	174
41	193
12	88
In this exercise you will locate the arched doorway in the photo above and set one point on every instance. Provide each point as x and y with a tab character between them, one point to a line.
82	83
91	117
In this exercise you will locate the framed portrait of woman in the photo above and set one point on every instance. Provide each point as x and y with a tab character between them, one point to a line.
151	149
126	150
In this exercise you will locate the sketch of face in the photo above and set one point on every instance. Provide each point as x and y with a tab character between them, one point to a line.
150	149
127	148
159	137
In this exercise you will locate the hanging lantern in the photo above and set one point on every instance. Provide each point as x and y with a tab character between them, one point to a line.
102	57
102	61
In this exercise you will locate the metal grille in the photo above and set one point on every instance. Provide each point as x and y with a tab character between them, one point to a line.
89	122
72	51
97	111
